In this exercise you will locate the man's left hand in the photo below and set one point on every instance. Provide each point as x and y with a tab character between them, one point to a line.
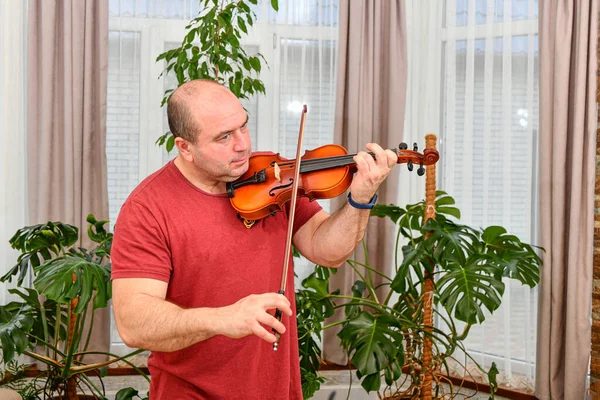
371	172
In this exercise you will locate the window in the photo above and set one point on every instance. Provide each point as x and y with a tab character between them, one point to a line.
13	115
481	69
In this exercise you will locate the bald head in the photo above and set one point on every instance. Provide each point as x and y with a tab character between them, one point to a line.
190	102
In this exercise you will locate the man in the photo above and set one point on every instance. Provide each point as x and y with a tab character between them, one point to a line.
197	288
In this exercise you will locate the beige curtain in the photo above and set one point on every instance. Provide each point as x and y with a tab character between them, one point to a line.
568	38
67	71
370	99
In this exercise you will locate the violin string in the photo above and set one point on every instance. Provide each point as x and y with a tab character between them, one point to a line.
317	164
325	164
320	164
314	164
319	160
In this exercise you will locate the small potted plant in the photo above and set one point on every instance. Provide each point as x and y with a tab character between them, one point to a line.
53	320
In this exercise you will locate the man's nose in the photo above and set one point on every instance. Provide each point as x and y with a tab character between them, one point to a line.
241	141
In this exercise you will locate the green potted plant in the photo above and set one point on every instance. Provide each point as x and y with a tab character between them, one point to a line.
387	337
52	322
314	304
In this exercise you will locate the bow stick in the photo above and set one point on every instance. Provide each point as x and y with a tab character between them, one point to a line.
288	241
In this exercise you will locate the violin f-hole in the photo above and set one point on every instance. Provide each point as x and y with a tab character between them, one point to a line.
273	190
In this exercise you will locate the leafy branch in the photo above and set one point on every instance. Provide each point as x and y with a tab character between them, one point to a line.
211	49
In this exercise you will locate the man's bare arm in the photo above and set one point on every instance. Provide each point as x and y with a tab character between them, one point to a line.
330	240
146	320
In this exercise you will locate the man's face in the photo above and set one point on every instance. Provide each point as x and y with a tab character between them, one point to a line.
223	147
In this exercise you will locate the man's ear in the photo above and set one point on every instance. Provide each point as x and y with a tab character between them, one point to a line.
184	148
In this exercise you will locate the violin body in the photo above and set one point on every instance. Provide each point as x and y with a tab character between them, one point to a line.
261	199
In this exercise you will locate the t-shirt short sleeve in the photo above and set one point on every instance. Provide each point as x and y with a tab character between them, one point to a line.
140	248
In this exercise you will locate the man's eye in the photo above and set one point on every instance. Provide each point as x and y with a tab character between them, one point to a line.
225	137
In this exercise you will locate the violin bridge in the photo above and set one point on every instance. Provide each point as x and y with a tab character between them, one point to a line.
277	172
248	223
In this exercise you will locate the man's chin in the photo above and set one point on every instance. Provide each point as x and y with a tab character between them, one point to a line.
237	173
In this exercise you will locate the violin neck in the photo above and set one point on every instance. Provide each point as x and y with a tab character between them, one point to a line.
319	164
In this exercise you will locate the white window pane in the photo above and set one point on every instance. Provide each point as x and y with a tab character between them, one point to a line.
122	119
492	138
305	12
167	9
306	78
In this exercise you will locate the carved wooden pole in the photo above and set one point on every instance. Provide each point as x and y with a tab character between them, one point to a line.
430	189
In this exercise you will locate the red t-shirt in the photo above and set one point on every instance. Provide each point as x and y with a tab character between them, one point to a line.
170	230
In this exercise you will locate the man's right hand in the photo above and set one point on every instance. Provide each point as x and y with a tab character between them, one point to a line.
250	315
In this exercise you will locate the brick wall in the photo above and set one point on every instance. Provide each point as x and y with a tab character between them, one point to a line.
595	362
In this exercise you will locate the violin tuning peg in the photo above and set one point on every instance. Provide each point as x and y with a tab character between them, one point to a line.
421	170
403	146
409	165
415	147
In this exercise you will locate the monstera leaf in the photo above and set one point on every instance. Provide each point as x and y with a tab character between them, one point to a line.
467	288
71	276
14	327
313	305
414	257
375	344
516	259
39	243
98	234
43	312
449	242
387	210
316	292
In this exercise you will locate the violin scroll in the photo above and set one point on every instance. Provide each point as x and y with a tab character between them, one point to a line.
412	157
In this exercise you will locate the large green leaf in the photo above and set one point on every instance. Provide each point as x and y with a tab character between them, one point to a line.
374	343
467	289
98	234
14	327
523	266
43	312
409	305
450	243
39	243
127	393
313	305
387	210
516	259
413	257
68	277
311	382
353	307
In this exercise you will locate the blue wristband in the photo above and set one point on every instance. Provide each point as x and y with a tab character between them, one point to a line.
362	206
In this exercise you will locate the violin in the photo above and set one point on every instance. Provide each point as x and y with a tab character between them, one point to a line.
325	172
